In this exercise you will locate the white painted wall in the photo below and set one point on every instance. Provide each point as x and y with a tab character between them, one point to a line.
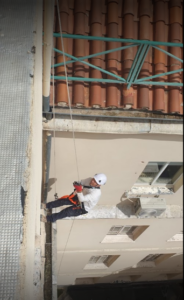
122	158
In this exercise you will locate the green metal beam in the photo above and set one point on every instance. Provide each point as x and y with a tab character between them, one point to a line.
108	39
91	55
158	75
92	66
138	64
146	49
169	54
134	62
139	59
115	81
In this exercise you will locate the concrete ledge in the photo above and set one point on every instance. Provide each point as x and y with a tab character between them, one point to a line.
124	212
115	127
115	113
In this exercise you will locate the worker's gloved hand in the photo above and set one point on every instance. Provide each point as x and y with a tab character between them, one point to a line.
78	187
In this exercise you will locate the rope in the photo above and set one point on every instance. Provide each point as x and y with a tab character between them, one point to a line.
54	118
73	134
69	101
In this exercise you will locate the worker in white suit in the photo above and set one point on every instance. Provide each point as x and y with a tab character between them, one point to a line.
86	195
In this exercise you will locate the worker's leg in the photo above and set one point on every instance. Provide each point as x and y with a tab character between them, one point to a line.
65	200
72	211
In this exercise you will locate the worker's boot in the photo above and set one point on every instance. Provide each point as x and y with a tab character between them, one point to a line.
43	219
43	206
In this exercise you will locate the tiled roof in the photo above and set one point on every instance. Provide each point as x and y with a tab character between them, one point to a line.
129	19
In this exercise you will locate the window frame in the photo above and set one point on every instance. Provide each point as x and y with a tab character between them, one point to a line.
153	183
101	262
133	233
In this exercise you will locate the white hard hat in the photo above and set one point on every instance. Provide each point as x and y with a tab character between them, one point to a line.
100	178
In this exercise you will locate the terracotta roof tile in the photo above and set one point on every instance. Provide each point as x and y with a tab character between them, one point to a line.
120	9
70	22
159	11
70	4
112	30
64	6
174	100
104	29
128	26
109	1
87	27
79	6
175	3
136	12
128	7
112	13
128	96
181	103
166	10
79	23
143	97
120	24
175	15
145	8
104	7
96	12
131	19
177	52
175	33
126	66
144	31
158	99
88	5
64	22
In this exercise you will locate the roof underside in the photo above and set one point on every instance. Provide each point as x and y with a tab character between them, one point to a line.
129	19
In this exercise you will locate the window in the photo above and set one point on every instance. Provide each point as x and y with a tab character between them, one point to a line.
152	260
161	173
151	257
121	230
101	262
177	237
120	234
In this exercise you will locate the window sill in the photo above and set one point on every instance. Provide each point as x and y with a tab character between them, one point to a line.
137	191
117	239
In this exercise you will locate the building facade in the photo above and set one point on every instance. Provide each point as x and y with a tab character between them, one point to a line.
112	243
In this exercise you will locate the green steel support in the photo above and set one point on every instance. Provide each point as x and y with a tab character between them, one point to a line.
160	83
92	55
144	46
139	63
169	54
146	49
91	65
114	81
108	39
158	75
134	62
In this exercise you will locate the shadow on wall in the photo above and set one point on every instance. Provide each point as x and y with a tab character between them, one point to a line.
127	206
50	183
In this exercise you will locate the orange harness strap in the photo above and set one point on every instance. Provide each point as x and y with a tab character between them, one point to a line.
70	197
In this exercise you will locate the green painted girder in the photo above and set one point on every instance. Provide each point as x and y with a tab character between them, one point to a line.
86	79
137	64
143	48
91	65
91	55
108	39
